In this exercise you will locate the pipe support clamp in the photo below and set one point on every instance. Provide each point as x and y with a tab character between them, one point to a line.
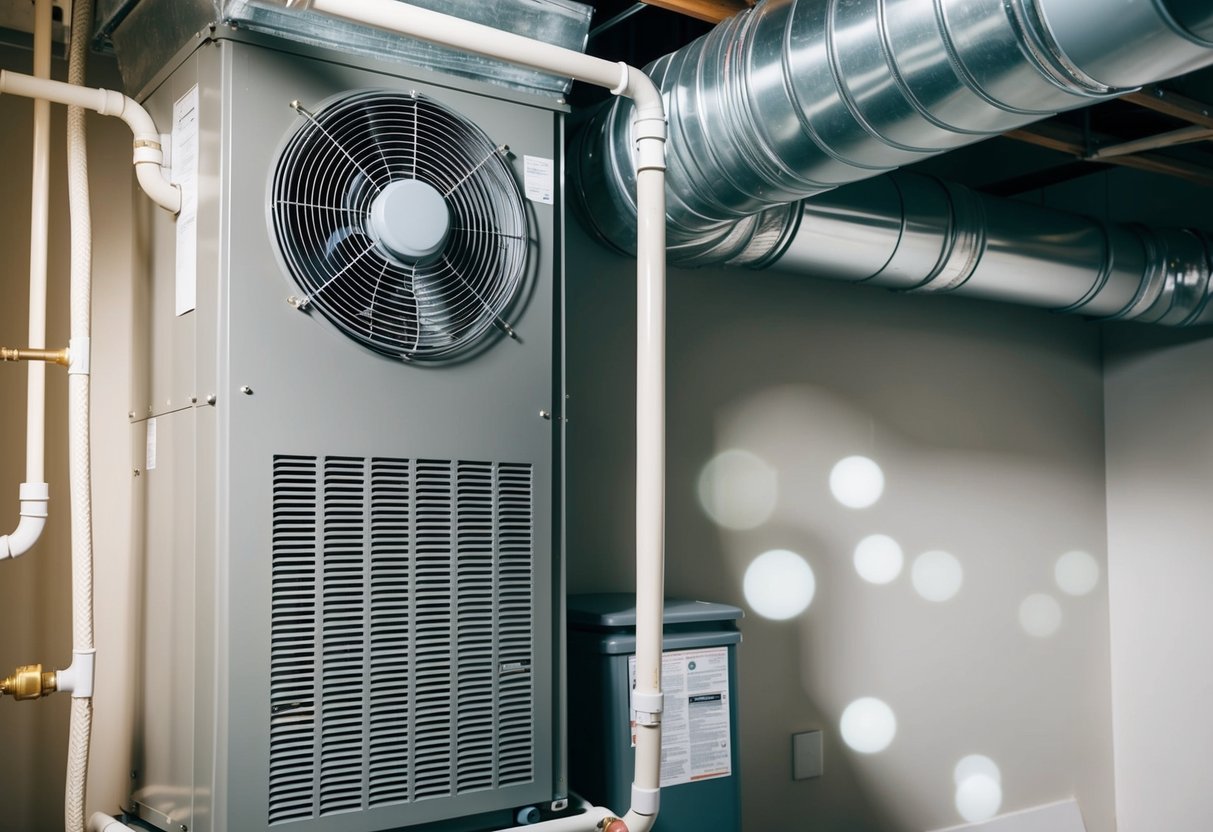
645	801
648	707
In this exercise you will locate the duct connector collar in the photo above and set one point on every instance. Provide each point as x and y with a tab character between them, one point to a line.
35	497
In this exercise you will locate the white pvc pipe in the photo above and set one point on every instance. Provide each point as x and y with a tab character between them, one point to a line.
101	822
79	676
34	491
148	156
649	133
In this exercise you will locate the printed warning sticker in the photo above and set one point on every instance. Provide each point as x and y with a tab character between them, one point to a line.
695	737
539	179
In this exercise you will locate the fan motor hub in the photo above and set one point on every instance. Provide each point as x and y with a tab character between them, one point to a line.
410	221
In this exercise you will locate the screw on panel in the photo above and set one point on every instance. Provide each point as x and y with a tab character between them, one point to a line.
210	399
545	414
246	390
193	400
138	472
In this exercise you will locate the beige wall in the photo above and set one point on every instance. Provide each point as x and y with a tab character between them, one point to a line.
35	616
988	423
1160	483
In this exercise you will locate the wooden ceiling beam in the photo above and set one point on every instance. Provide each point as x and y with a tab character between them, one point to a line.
712	11
1172	104
1071	140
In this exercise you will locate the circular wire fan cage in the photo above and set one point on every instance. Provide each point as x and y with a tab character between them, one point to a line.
401	223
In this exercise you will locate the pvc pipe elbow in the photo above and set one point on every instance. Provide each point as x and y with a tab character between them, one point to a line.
154	183
34	499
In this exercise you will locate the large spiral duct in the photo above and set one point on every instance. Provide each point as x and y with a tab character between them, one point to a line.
795	97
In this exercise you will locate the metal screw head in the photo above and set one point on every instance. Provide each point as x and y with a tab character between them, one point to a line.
246	390
138	472
193	400
545	414
210	399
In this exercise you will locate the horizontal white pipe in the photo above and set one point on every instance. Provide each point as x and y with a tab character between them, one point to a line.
101	822
587	821
148	157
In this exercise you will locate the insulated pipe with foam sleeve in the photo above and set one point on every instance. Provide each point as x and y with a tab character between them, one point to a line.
649	138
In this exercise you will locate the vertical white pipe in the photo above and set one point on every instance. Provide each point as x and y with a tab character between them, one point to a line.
79	466
35	415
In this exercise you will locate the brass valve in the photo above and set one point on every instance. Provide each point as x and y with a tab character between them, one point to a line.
613	825
50	356
29	682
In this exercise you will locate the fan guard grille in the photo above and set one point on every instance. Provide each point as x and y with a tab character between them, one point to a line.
325	182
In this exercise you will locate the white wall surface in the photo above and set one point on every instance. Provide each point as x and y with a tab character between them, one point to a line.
35	619
987	421
1160	486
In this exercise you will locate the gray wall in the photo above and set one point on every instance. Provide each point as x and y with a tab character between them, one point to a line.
35	592
988	423
1160	484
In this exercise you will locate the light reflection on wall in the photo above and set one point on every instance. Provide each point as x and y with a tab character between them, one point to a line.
937	576
868	725
979	794
738	489
779	585
856	482
974	531
1076	573
1040	615
878	559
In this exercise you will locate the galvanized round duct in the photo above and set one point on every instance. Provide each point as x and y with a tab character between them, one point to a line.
795	97
911	232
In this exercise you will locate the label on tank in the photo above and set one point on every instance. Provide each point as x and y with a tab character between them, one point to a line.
695	739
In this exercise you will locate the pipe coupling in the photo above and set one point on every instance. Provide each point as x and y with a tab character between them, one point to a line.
29	682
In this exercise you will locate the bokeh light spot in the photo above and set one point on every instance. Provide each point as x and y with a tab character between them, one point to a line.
975	764
1040	615
878	559
1077	573
937	576
978	798
856	482
738	490
868	725
779	584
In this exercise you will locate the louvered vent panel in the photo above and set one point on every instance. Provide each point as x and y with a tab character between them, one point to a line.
402	624
475	631
515	615
391	624
293	641
433	670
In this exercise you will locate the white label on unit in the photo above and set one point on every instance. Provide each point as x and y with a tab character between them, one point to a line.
151	445
185	174
695	739
539	178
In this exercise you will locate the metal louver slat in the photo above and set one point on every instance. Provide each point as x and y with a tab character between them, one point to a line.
391	622
402	632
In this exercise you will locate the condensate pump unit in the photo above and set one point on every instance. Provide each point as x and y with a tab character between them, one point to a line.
348	450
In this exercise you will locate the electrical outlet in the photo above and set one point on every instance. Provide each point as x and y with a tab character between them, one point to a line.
806	755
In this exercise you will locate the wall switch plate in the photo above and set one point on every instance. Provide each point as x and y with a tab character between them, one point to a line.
806	755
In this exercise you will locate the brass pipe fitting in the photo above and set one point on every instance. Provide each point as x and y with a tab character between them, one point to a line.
59	357
29	682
